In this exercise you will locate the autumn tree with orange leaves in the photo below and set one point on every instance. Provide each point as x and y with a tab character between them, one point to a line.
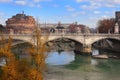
106	25
38	54
22	69
9	71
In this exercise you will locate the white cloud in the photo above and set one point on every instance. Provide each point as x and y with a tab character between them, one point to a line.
2	18
109	5
92	21
96	12
2	14
114	1
88	7
34	5
69	8
5	0
101	1
26	3
79	0
91	6
21	2
94	4
76	14
105	17
37	1
31	4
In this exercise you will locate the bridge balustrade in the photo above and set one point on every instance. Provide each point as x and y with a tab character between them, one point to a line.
66	34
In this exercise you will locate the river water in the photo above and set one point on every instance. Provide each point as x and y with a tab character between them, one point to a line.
70	66
67	65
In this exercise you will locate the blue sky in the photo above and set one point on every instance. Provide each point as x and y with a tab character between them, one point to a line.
86	12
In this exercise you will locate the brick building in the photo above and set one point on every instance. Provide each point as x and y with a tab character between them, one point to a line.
20	23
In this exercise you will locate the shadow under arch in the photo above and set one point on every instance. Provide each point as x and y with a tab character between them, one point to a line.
18	41
66	38
104	39
77	45
20	50
15	41
110	44
18	46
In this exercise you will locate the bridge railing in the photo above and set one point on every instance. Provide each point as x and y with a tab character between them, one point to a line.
65	34
82	34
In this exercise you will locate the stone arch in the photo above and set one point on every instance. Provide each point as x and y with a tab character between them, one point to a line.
75	44
75	40
23	39
20	41
102	38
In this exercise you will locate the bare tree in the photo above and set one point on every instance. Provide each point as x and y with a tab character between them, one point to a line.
106	25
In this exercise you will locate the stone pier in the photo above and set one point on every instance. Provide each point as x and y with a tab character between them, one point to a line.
87	49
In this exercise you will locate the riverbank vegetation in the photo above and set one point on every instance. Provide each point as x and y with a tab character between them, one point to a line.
21	68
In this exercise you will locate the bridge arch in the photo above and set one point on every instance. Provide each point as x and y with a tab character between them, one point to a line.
17	41
101	38
72	39
20	42
67	44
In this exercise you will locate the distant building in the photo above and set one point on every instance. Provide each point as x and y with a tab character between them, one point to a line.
117	16
54	27
117	20
64	28
20	23
78	28
60	28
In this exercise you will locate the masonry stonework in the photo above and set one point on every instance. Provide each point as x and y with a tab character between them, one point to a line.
20	23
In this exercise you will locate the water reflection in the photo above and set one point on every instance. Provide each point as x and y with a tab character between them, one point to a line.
94	62
104	54
95	51
56	58
80	67
69	59
2	61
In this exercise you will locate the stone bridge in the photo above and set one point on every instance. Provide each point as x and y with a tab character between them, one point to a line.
85	39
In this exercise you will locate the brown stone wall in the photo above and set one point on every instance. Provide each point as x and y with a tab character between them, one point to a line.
20	23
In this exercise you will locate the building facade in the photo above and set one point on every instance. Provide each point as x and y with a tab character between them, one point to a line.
64	28
20	23
117	21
